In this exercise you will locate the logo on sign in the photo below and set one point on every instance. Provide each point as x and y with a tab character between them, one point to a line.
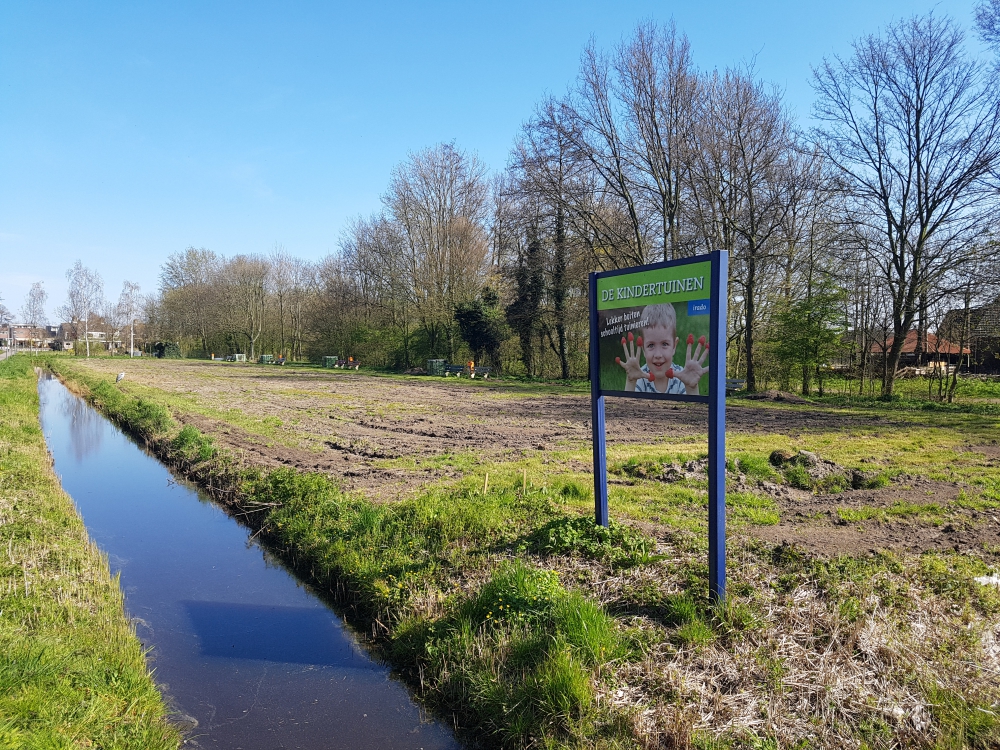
698	307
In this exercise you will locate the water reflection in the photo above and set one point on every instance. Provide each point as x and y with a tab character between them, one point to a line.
295	635
85	428
240	646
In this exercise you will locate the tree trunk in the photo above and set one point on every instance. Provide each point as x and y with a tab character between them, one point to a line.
749	309
559	291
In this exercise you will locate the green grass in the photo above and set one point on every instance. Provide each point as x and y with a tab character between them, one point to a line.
72	672
916	389
755	466
964	725
520	655
753	509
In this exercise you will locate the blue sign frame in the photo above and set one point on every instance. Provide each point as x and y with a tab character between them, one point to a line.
716	400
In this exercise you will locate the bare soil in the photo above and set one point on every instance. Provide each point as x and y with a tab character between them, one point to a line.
812	521
347	423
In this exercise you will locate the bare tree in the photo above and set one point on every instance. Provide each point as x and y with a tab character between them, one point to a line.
190	294
988	21
440	199
245	279
280	283
128	310
84	298
6	318
657	86
590	122
912	123
375	251
33	310
743	184
303	284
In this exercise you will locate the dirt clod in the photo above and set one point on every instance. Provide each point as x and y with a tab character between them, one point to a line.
781	457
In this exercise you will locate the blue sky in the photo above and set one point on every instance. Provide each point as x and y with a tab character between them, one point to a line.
129	131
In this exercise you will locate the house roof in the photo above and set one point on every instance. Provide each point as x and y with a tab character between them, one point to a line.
987	321
984	322
933	345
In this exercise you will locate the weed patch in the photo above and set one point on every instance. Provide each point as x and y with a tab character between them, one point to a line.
617	545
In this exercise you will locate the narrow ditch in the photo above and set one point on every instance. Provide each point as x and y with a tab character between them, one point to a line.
248	656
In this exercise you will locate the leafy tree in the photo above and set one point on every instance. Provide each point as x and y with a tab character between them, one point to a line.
808	332
524	312
481	325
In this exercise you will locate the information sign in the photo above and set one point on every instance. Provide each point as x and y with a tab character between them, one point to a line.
659	332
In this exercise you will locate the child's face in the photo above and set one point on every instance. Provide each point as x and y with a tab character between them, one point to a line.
659	342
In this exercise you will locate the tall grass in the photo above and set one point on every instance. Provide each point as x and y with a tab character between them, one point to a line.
72	672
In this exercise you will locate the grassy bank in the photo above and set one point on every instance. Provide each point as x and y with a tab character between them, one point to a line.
72	672
508	610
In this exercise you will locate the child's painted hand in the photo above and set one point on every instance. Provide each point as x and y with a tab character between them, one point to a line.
694	366
633	370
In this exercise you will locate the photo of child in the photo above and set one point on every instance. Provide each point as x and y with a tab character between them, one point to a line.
642	350
657	344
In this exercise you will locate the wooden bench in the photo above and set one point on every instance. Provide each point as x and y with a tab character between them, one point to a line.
733	385
455	370
484	372
348	364
279	361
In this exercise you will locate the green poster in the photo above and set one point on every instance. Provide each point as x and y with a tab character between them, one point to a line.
653	328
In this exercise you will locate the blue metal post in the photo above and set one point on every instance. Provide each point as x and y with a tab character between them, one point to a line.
717	428
597	414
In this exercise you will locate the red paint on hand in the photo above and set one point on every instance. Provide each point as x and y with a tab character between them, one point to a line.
630	336
639	342
623	341
618	360
652	377
701	340
690	339
670	372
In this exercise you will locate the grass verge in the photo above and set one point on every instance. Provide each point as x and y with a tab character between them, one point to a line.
72	672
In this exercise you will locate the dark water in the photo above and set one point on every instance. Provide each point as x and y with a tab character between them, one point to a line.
237	642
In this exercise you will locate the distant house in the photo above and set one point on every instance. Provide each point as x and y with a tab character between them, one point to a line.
30	337
935	349
983	335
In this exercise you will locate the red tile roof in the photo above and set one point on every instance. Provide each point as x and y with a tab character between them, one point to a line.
932	346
